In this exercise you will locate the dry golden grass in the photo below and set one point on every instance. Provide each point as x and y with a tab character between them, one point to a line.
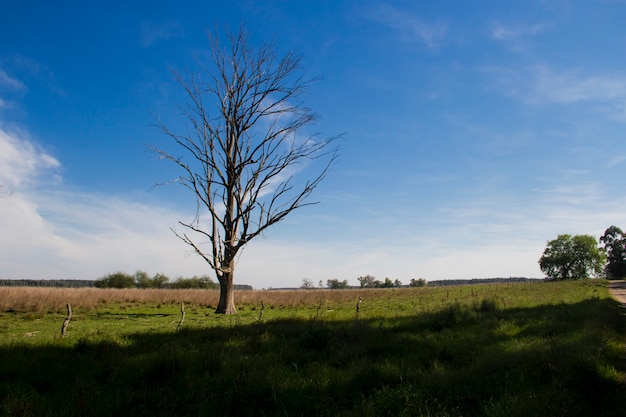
43	300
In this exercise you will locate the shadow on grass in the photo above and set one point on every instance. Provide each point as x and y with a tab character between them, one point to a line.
123	315
556	360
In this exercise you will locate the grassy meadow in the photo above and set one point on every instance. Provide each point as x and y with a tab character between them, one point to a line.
528	349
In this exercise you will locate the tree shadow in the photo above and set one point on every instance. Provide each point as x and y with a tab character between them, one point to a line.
470	361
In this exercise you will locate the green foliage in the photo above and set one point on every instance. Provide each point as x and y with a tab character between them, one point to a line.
116	280
335	284
142	280
576	257
547	348
479	281
204	282
367	281
387	284
160	281
614	242
51	283
420	282
307	284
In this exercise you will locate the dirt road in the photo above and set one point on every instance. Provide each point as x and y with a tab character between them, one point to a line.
618	291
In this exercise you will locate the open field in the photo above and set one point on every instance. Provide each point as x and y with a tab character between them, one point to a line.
531	349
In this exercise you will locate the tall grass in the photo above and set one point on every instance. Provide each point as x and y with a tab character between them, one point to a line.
34	299
43	300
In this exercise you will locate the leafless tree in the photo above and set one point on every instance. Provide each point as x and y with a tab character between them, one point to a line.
245	145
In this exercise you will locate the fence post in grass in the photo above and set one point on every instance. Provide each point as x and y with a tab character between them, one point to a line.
182	318
358	305
262	310
66	322
319	307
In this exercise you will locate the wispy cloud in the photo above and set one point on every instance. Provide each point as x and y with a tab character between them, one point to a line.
409	27
505	33
10	83
22	160
572	87
152	33
616	160
542	85
5	104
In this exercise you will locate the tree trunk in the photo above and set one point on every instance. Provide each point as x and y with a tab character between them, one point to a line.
226	304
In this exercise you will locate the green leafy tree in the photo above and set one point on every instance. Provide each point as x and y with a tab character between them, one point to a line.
335	284
572	257
307	284
160	281
387	284
248	135
420	282
116	280
367	281
203	282
143	280
614	242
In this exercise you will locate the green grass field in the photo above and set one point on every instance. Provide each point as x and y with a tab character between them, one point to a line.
535	349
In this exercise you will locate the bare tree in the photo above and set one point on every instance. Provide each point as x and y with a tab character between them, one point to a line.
243	150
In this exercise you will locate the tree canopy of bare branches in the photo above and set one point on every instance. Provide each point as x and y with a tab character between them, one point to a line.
246	141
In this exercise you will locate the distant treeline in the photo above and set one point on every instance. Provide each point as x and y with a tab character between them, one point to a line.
474	281
139	280
180	283
56	283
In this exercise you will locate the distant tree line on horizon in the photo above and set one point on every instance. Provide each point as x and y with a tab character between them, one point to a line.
142	280
475	281
124	280
369	281
50	283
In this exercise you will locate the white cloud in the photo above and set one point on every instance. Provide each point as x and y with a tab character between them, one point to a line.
80	235
22	160
53	231
505	33
10	83
410	27
616	160
5	104
152	33
571	87
540	84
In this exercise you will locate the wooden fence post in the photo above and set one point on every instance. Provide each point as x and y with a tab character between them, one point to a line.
66	322
182	312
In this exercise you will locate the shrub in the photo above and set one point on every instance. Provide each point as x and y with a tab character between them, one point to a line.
335	284
116	280
194	282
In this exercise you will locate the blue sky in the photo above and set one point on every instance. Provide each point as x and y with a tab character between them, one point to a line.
475	133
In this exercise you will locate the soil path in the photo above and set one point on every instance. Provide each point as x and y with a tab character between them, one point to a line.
618	291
